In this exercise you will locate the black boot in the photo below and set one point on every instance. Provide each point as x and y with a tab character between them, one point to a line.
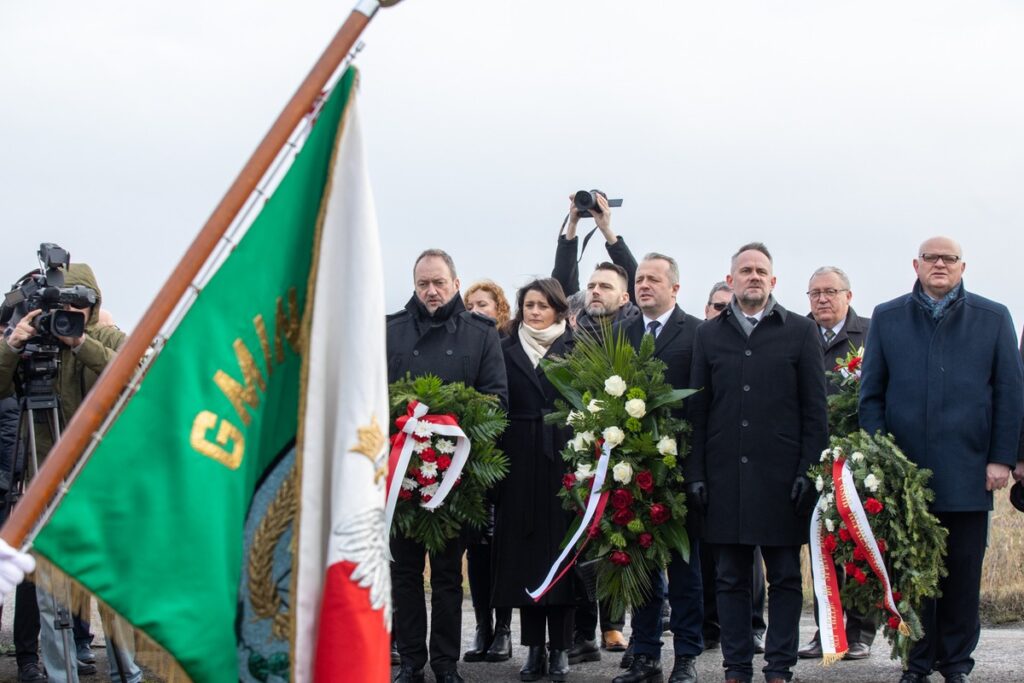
501	646
558	666
484	636
536	664
584	650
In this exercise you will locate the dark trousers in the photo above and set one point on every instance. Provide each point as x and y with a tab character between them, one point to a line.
951	623
685	598
735	574
478	570
859	628
555	619
711	629
411	611
587	617
26	624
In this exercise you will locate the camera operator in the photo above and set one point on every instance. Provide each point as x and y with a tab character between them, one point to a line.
81	360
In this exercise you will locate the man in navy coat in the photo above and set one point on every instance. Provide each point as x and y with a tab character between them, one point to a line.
943	375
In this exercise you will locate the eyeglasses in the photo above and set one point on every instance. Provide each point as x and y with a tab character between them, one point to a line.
948	259
829	293
719	305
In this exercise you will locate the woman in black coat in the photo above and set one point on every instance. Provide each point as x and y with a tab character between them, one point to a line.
530	523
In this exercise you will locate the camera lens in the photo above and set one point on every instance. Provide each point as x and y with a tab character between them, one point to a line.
584	200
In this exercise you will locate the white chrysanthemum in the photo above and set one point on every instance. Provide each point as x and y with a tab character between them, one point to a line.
429	490
420	446
409	484
595	406
622	472
423	429
635	407
857	456
429	469
871	482
819	483
667	446
615	386
613	436
830	525
584	471
444	446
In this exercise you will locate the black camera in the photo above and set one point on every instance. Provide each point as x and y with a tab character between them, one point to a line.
586	201
43	289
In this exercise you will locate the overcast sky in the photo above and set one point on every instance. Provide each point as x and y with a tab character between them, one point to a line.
837	133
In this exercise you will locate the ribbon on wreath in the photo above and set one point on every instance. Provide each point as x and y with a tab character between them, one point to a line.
417	422
596	502
851	511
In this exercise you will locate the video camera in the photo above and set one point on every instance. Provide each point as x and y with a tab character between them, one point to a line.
43	289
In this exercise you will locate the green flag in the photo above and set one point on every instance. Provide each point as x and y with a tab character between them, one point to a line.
158	522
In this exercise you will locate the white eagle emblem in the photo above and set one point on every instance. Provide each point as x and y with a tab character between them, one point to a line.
362	540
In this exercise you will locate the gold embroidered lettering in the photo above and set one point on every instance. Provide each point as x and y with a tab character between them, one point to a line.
241	396
228	433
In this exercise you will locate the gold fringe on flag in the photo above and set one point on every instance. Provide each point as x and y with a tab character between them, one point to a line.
830	658
904	629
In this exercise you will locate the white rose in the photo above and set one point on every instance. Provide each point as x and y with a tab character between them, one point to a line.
825	455
444	446
822	504
584	471
429	469
830	525
572	417
667	446
871	482
819	483
837	451
622	473
582	440
615	386
409	484
595	406
829	497
635	407
857	456
613	436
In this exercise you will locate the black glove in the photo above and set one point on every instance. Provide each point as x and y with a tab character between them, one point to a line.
803	495
697	491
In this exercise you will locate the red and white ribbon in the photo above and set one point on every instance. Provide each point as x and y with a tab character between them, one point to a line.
591	520
826	588
401	453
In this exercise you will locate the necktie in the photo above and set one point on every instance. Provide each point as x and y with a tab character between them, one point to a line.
829	336
652	327
752	320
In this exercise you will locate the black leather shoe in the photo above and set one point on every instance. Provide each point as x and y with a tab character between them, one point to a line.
536	664
583	650
858	651
450	676
684	670
396	658
759	643
959	677
558	665
627	657
645	669
501	647
481	642
409	675
811	650
912	677
31	672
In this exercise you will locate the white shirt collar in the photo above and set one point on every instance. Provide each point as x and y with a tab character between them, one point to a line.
663	319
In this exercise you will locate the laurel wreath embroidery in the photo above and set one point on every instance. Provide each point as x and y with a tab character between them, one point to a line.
266	603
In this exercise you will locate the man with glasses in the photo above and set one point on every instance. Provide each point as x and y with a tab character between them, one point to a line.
943	375
718	300
839	328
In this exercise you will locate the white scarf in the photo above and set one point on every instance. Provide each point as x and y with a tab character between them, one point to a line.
537	342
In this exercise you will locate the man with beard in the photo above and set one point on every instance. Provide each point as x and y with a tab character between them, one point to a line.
759	422
435	334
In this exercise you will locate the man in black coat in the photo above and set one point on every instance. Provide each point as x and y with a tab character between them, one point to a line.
839	328
435	334
943	375
759	422
657	285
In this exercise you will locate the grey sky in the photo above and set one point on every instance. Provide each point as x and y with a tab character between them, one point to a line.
838	133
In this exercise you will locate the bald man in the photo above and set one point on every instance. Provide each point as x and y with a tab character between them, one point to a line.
943	375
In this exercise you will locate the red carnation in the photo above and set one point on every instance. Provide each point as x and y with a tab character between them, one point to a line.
423	479
620	558
568	480
830	543
859	576
844	533
444	462
404	495
645	540
623	517
854	363
621	499
894	623
850	568
428	455
645	480
897	596
873	506
660	514
425	497
859	555
414	472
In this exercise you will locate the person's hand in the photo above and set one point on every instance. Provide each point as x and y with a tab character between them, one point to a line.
574	218
996	476
604	220
23	331
13	567
802	495
697	491
1018	471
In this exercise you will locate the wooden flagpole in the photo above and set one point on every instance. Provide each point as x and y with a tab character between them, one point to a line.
87	419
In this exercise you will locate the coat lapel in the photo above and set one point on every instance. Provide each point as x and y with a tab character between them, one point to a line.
673	326
522	361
